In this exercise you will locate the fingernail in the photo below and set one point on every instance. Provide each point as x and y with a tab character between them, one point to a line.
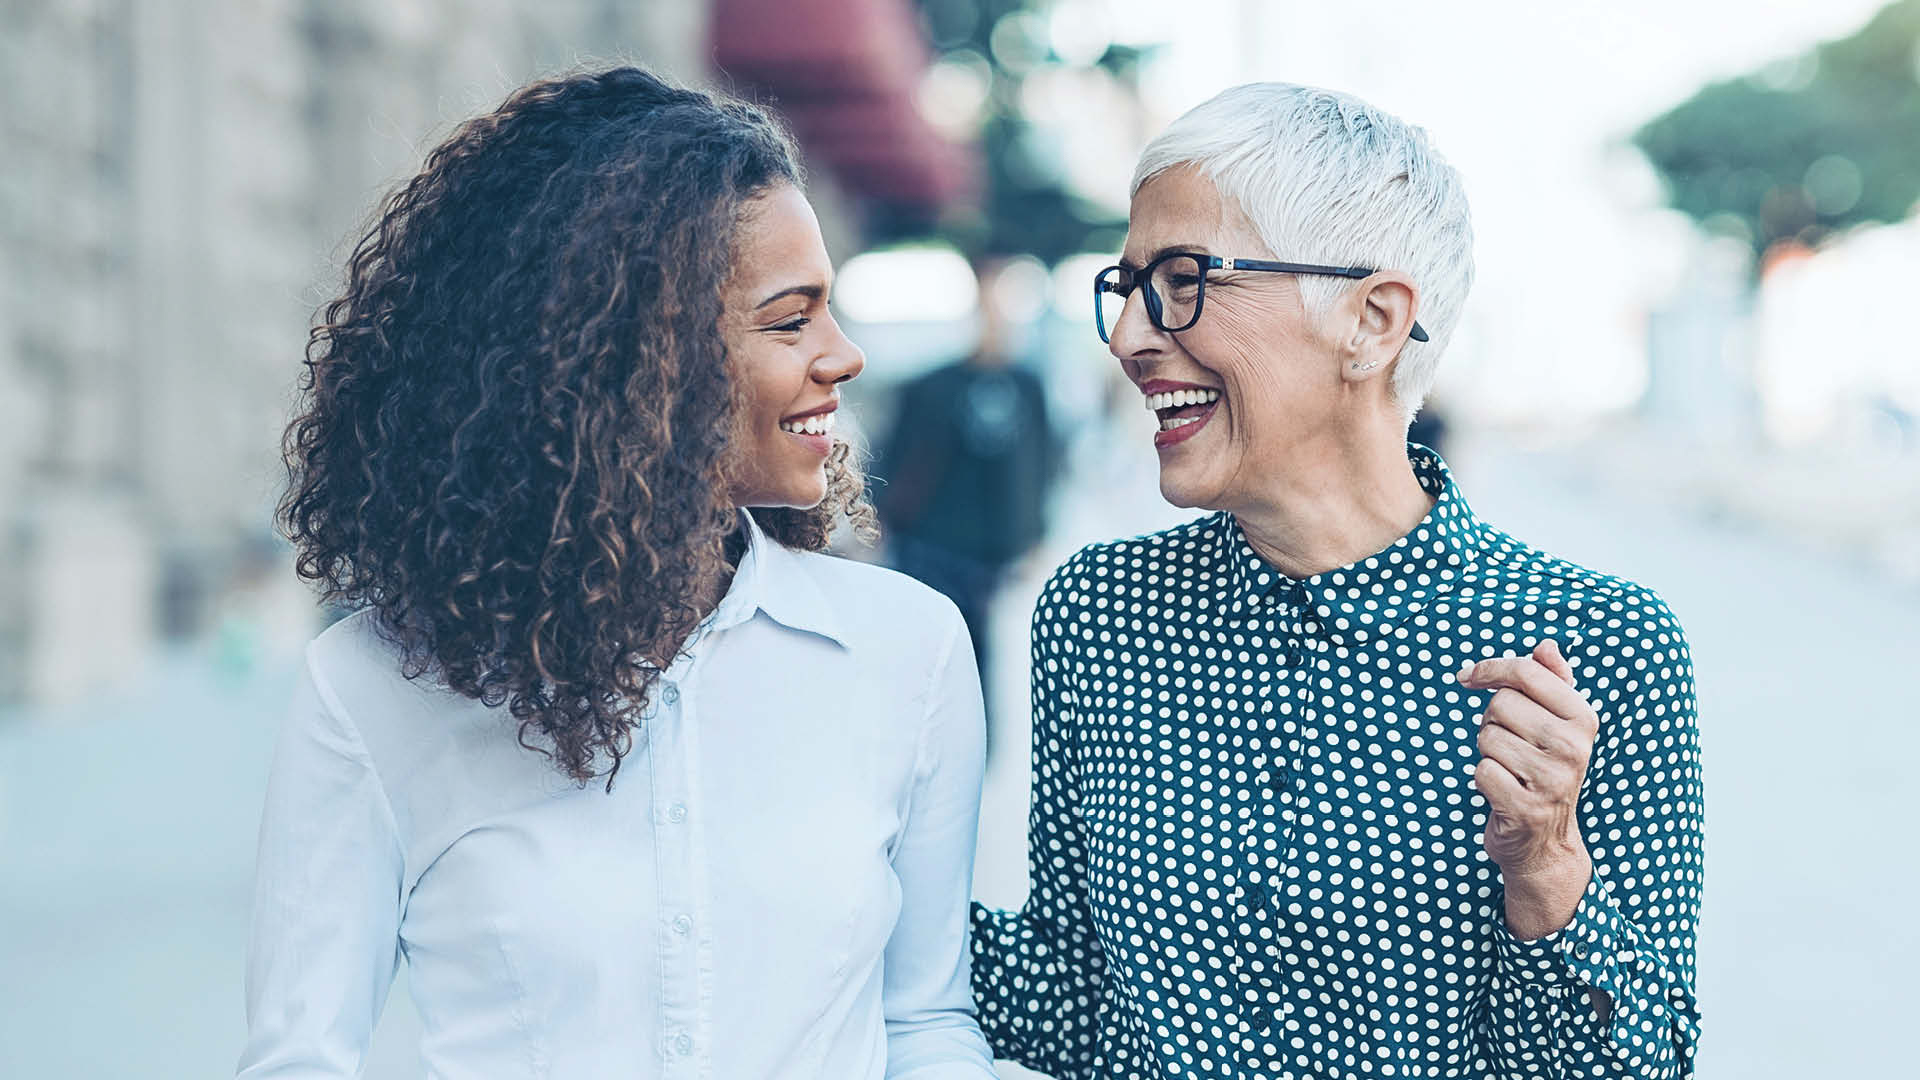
1465	673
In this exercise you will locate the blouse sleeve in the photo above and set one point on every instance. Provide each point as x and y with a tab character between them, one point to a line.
1038	972
931	1030
1632	936
326	912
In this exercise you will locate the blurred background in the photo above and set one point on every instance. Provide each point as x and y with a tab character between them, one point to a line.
1689	360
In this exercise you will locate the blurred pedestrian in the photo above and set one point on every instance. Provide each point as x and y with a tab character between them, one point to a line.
636	780
1339	781
966	472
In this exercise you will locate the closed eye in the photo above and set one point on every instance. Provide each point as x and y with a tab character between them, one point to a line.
792	327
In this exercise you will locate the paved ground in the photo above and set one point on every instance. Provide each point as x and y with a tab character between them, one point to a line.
126	827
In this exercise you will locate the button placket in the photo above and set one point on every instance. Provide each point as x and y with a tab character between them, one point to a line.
674	845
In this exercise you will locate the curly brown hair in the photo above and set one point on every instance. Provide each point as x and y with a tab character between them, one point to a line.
513	439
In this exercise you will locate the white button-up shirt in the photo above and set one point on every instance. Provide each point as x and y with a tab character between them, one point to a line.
775	887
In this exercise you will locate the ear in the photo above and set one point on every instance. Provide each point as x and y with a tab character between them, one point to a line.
1382	312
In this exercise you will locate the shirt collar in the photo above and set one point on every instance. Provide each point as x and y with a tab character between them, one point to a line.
1360	602
774	579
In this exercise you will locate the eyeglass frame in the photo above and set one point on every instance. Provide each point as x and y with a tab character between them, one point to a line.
1138	278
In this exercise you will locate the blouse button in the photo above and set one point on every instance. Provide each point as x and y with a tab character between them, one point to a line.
682	925
677	813
671	695
684	1043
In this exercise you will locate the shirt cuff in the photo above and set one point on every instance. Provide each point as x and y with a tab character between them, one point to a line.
1592	950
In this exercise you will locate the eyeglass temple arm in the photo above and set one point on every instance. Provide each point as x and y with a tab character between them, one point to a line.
1418	333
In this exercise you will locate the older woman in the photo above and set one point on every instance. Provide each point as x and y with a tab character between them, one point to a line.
1341	780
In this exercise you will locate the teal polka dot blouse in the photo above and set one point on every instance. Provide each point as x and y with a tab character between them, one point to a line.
1255	838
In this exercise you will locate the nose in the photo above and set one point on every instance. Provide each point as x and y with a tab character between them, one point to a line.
1133	336
842	362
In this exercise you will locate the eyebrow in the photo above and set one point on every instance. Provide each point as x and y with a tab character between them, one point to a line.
1184	249
811	292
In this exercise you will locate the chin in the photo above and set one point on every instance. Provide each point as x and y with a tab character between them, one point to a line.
805	496
1184	491
1176	495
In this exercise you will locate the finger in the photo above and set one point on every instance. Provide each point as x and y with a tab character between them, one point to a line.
1498	784
1524	717
1525	761
1530	677
1548	655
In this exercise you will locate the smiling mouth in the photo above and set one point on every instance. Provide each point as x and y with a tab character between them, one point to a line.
1182	412
1178	408
818	424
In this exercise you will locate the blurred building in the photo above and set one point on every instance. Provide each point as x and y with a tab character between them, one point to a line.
180	177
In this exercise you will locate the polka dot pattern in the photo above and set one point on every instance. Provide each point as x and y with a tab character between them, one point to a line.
1255	838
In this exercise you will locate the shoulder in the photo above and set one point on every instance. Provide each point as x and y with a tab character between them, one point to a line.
1624	628
361	675
1512	569
362	678
1105	577
1185	548
878	608
354	653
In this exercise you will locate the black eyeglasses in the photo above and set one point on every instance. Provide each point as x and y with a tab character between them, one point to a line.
1175	287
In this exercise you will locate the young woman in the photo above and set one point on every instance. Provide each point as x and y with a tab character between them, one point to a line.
636	781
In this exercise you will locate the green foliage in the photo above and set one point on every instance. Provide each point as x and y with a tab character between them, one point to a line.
1812	145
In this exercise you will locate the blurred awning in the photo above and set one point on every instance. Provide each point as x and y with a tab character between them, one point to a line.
844	73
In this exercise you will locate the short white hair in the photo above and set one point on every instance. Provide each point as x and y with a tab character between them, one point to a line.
1327	178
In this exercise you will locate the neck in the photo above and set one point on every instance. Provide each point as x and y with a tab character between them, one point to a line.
1334	506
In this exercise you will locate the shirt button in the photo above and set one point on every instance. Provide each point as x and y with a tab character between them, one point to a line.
684	1043
682	925
677	813
671	695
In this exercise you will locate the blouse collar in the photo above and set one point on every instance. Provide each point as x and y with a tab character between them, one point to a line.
774	579
1360	602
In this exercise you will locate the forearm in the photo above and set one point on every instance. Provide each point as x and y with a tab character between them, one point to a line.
1544	902
1542	899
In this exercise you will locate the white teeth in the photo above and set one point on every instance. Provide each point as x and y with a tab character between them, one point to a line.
1180	398
1178	422
812	425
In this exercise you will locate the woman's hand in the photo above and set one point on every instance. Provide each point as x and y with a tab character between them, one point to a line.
1535	739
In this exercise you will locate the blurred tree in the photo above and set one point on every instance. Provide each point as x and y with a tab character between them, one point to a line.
1804	147
1027	205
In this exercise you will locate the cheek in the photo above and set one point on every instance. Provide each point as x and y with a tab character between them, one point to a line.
751	369
1267	377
